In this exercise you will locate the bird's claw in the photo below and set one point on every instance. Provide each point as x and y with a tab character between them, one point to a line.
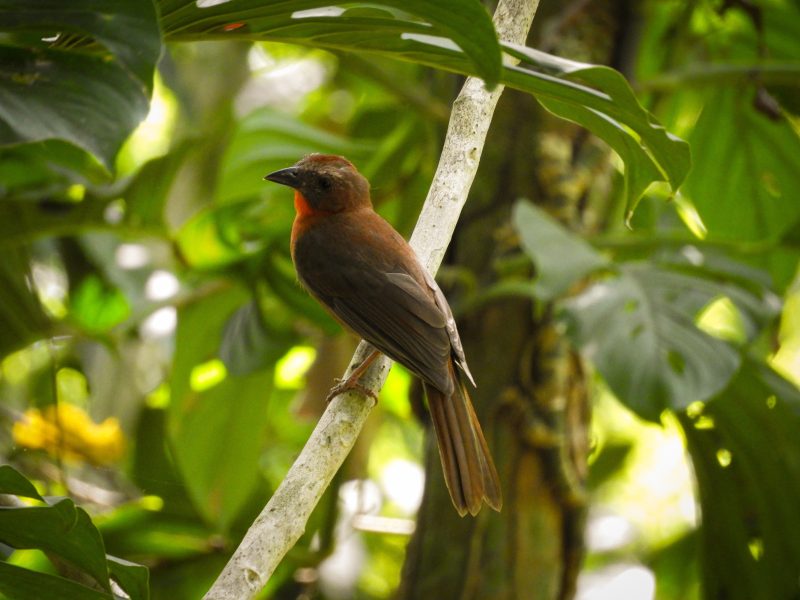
346	385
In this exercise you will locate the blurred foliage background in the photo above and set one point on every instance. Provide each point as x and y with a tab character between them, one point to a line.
161	367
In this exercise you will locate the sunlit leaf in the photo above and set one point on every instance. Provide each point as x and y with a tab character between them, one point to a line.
216	433
96	306
745	178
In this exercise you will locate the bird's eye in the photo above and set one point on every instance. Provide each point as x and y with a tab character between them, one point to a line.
324	183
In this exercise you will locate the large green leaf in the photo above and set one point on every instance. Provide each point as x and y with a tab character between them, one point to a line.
600	99
746	456
561	258
596	97
639	330
93	96
63	529
746	174
381	26
216	419
17	583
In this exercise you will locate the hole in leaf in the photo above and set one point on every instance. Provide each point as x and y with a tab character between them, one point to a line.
722	319
724	457
208	374
772	401
695	409
756	547
676	362
704	422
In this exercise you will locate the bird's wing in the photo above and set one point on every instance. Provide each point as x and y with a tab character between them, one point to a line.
395	314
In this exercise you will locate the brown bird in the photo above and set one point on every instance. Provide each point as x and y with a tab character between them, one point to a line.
371	281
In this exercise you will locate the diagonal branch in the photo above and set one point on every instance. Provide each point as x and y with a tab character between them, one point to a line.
283	519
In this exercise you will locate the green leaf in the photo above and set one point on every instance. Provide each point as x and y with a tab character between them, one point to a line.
216	424
99	104
639	331
13	482
746	176
132	577
600	99
97	306
63	529
46	170
267	140
17	583
596	97
561	258
90	98
220	235
385	26
127	28
22	318
147	193
247	345
746	456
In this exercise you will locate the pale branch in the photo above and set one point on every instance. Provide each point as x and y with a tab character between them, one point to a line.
283	519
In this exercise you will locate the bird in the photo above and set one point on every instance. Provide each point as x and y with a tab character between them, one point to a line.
370	280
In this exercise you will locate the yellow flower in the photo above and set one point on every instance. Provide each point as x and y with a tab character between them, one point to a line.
66	431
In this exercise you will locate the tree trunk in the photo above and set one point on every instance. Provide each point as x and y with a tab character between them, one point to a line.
531	401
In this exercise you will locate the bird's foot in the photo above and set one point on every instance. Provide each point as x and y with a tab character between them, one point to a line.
346	385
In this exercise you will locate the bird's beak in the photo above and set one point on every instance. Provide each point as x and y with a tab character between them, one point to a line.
287	176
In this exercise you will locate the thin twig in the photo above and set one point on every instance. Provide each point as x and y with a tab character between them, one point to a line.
284	518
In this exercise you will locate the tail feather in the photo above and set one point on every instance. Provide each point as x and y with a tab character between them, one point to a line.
468	467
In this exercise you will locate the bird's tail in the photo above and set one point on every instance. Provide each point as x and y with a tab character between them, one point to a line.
468	467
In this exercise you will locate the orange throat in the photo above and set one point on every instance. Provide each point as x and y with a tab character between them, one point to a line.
305	217
301	205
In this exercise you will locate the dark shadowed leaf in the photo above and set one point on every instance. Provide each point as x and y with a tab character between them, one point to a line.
22	319
63	529
561	258
102	89
127	28
746	456
148	191
132	577
13	482
17	583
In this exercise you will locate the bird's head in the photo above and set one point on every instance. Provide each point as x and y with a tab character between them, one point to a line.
324	183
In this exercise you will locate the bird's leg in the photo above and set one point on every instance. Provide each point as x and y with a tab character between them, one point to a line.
352	382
